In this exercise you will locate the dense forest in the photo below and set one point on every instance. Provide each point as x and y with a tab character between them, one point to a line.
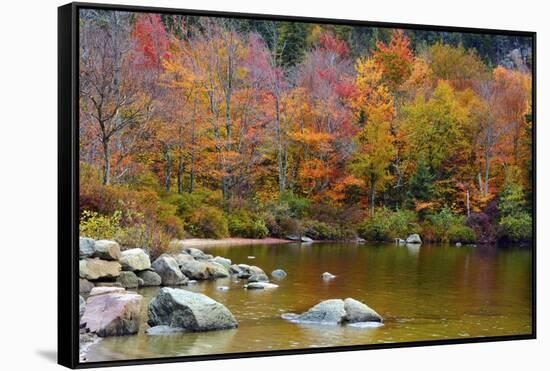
215	127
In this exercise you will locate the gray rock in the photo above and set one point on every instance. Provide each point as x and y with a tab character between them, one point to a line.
223	261
222	288
197	254
188	310
458	244
128	280
306	239
107	250
258	278
278	273
163	330
183	258
93	269
255	270
414	239
134	260
149	278
84	286
86	247
260	286
293	237
400	241
329	311
81	306
168	270
327	276
203	270
359	312
113	314
235	269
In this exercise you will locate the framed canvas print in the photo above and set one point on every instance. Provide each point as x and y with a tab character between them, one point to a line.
240	185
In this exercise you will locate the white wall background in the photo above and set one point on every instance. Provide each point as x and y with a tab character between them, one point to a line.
28	58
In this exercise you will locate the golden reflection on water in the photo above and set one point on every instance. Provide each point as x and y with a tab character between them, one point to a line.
424	293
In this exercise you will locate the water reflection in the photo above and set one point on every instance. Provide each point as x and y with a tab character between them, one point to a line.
423	292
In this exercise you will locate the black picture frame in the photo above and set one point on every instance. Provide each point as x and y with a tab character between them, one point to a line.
68	184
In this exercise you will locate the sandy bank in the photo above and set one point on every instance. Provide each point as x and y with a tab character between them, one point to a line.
206	242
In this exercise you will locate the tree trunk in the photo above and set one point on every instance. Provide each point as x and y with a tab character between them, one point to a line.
487	168
106	161
372	198
167	170
281	158
179	175
468	202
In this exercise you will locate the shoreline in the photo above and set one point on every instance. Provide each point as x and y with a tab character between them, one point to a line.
233	241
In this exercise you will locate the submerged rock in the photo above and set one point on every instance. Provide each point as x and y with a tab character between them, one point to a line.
163	330
113	314
278	273
414	239
260	286
169	271
258	278
93	269
327	276
86	247
189	310
134	260
149	278
107	250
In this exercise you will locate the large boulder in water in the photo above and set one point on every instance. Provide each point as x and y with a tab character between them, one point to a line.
86	247
134	260
337	311
359	312
93	269
113	314
328	311
188	310
169	271
149	278
107	250
129	280
414	239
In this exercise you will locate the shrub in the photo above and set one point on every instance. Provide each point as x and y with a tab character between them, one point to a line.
290	226
320	230
482	227
461	233
97	226
208	222
387	225
297	205
516	227
244	224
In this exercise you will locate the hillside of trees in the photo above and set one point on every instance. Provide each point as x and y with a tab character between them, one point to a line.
214	127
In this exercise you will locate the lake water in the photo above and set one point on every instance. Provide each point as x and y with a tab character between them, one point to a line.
423	292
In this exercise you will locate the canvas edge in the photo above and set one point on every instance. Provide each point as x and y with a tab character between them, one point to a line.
68	331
